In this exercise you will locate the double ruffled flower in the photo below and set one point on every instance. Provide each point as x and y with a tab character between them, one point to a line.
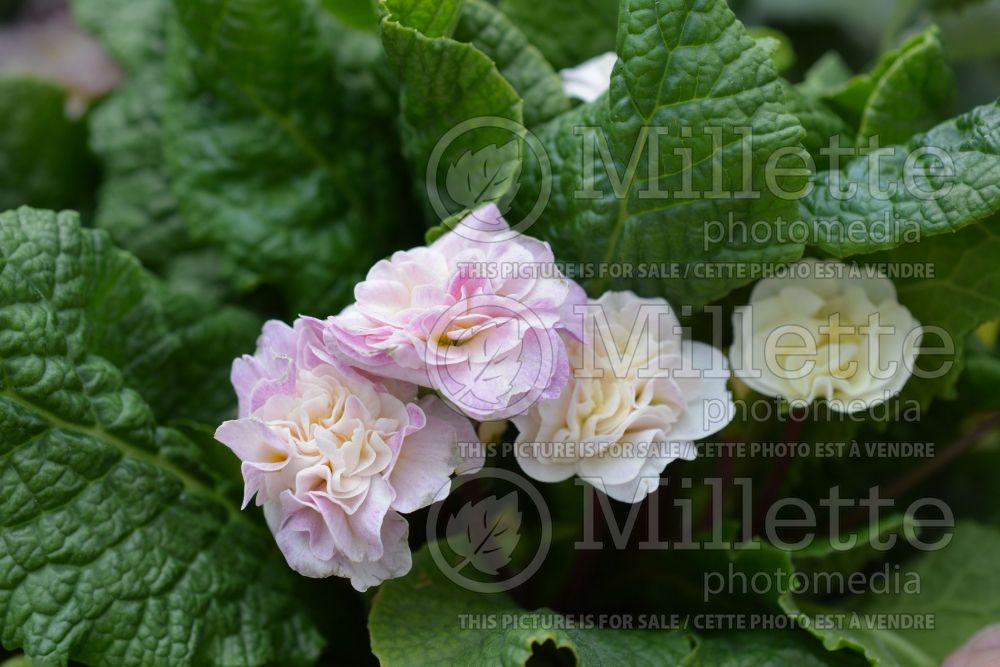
638	399
477	320
335	456
823	333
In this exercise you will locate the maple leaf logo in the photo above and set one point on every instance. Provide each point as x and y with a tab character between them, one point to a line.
482	356
485	533
487	175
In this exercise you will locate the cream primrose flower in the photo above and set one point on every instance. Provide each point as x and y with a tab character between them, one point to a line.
828	335
632	406
336	457
590	79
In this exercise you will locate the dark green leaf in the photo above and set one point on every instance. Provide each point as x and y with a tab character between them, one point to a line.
44	159
688	71
118	548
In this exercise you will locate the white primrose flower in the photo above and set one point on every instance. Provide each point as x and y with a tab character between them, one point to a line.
825	331
590	79
638	398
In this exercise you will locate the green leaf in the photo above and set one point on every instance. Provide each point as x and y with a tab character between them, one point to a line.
766	647
961	294
689	71
778	44
358	14
520	63
825	76
294	183
131	30
44	159
136	204
194	347
910	90
568	32
970	33
938	182
118	547
417	620
959	588
821	123
447	85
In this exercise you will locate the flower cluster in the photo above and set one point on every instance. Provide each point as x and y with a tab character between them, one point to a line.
338	442
335	444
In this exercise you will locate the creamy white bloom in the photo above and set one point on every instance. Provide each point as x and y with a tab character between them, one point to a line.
825	332
590	79
638	398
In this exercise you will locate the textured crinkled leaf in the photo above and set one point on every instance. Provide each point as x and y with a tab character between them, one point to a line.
135	204
131	30
923	199
118	548
44	159
524	67
447	85
568	32
681	65
778	44
821	124
910	90
963	293
959	588
416	621
189	375
276	141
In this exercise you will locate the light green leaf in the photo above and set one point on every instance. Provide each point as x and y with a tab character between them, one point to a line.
131	30
118	548
959	588
447	86
689	71
520	63
910	90
778	44
417	620
44	159
825	76
358	14
276	141
568	32
938	182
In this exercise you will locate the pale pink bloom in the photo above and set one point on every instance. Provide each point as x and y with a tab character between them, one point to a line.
475	320
335	456
639	397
